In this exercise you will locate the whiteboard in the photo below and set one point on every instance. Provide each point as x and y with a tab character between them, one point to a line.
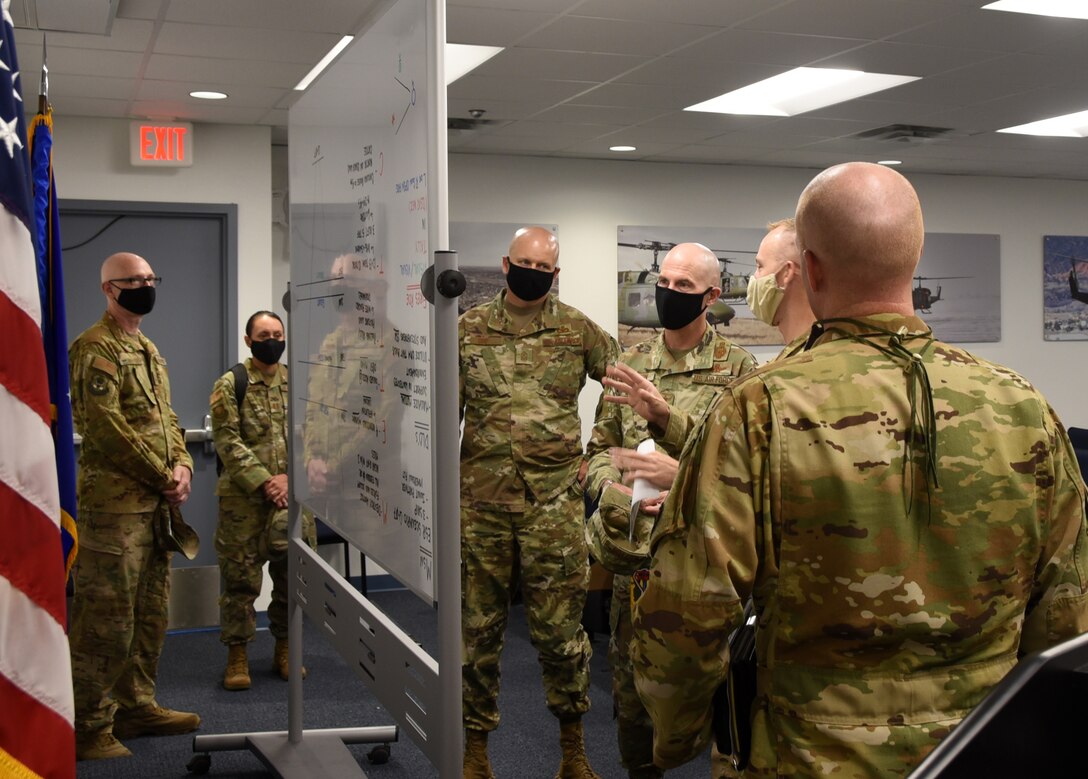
361	237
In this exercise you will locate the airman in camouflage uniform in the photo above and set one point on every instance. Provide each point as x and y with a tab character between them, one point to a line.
133	468
689	365
524	357
781	302
909	519
252	441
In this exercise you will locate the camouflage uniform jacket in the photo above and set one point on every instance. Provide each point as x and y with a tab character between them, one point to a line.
887	607
519	399
121	407
682	425
252	444
689	385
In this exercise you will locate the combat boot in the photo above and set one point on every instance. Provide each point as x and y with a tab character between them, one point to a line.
477	764
279	660
101	745
236	677
153	720
575	764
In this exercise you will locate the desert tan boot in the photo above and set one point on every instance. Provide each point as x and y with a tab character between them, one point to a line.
236	677
575	764
279	660
153	720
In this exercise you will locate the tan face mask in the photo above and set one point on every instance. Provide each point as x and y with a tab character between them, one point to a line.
764	297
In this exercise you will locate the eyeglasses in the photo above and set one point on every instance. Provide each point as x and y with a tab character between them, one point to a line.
135	282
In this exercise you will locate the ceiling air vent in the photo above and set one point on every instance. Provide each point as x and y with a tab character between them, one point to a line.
907	133
469	124
94	17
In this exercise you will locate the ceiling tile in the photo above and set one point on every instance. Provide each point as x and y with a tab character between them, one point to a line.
711	13
126	35
491	26
243	43
240	95
578	33
211	70
330	16
868	19
488	88
559	65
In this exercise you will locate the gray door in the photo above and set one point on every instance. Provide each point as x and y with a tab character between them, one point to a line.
194	324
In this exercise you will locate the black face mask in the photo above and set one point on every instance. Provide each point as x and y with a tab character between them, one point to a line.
529	284
138	301
678	309
268	352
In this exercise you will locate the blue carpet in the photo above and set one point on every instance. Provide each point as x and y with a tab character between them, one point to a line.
526	745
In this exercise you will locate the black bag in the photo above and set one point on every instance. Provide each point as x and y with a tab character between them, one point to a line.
731	718
241	384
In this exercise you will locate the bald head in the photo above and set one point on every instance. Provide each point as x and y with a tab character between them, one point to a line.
124	265
536	248
692	263
864	225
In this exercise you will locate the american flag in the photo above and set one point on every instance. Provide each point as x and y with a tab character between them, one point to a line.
36	711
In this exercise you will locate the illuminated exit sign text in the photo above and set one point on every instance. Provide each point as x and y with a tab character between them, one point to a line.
162	144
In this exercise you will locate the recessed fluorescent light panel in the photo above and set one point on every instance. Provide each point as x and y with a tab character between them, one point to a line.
621	148
799	90
1069	9
462	58
324	63
890	162
204	94
1068	126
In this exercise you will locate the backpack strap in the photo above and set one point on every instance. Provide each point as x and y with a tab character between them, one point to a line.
241	384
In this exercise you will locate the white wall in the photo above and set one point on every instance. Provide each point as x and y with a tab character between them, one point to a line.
588	199
231	164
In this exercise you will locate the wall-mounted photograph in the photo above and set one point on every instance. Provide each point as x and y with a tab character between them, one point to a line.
640	251
480	247
956	288
1065	287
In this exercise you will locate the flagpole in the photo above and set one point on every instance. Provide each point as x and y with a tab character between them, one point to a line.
43	85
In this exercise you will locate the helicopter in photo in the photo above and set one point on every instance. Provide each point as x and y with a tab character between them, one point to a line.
637	297
924	297
1074	283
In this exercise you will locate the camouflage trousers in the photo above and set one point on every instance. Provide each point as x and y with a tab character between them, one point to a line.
721	766
249	534
634	730
119	616
548	543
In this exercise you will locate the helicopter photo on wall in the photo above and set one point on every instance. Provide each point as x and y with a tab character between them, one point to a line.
640	251
480	247
1065	287
957	286
956	290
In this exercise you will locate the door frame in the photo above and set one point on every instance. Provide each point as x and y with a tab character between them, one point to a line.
226	214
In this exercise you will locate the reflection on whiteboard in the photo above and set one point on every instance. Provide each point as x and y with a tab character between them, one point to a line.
480	247
361	373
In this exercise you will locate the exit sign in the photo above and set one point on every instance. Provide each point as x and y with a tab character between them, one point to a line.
161	144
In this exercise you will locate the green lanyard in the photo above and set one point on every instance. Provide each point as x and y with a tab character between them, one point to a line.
923	419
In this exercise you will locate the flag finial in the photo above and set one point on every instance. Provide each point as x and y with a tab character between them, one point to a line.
43	87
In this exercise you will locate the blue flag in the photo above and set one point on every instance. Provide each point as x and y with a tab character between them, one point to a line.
54	324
